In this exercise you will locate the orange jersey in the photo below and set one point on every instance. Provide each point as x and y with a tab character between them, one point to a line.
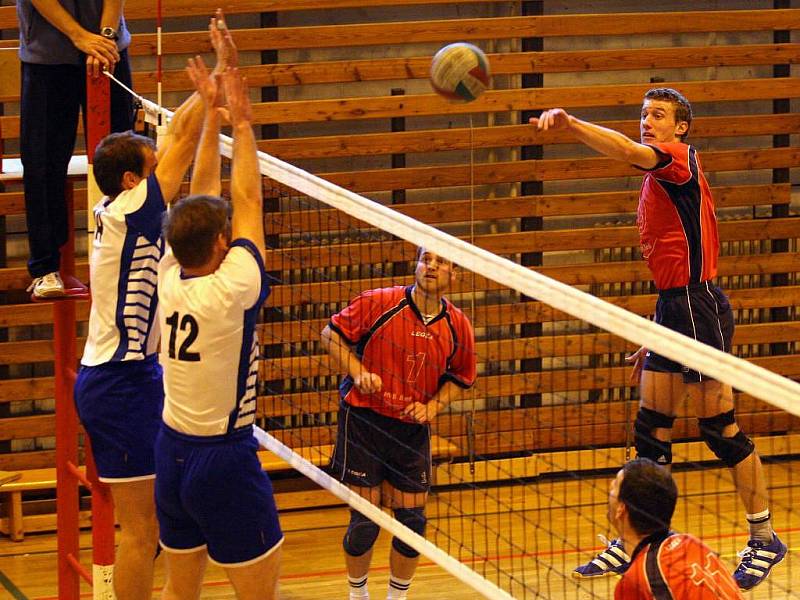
676	566
677	224
412	358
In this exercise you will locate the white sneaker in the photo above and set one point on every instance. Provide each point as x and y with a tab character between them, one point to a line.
47	286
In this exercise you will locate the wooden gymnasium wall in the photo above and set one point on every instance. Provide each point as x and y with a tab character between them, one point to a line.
343	93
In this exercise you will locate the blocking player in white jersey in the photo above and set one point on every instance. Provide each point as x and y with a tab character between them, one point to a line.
119	391
213	499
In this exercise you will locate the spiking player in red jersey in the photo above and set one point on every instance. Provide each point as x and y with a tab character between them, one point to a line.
665	565
406	352
678	233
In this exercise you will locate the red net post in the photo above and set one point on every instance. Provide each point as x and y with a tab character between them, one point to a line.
98	125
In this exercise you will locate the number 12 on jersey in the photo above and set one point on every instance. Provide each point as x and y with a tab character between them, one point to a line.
186	322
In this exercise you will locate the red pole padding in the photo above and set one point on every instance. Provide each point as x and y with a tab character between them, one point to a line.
98	112
98	125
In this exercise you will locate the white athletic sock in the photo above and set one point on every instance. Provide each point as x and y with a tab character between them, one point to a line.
358	588
760	526
398	588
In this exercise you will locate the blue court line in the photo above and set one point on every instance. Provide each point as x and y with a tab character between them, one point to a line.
12	589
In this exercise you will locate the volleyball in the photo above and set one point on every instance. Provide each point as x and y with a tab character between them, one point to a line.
459	72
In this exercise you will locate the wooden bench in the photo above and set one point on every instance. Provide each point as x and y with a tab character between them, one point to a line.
15	523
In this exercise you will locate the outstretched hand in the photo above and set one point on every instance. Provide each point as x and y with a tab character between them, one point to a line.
553	118
207	84
240	111
222	42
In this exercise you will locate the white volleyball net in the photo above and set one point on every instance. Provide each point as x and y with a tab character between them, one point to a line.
523	459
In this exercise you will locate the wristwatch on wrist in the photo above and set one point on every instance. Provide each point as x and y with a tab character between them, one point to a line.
109	33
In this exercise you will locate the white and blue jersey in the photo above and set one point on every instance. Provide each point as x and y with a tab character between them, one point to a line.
210	489
124	271
119	394
209	347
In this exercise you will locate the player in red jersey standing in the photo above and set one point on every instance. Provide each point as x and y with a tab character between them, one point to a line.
406	352
678	233
664	565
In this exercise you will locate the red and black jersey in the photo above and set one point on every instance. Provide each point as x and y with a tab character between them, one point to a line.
677	224
413	360
676	566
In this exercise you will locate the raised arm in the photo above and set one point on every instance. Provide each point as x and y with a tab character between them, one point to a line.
90	43
347	362
184	129
606	141
206	174
248	218
183	132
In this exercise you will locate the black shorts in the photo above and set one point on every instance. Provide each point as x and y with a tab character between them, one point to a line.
372	448
700	311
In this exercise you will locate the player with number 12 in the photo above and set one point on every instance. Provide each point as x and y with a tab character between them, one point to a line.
213	499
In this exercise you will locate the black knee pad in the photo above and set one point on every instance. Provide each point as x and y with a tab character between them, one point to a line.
730	450
415	520
646	444
360	535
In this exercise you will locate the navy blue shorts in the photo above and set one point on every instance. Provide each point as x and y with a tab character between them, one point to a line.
211	492
700	311
120	404
372	448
